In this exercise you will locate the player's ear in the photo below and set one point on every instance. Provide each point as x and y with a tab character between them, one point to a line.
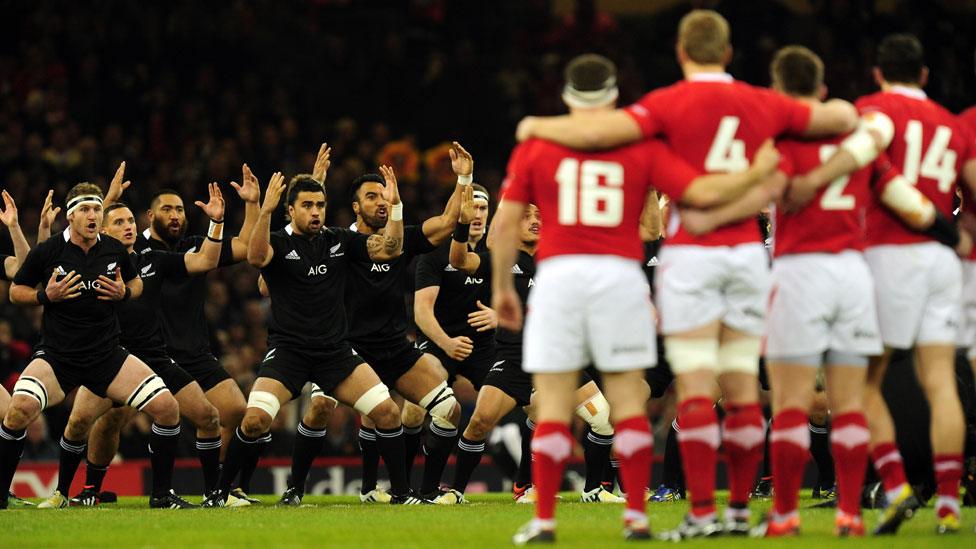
822	94
923	77
355	208
727	58
878	77
680	53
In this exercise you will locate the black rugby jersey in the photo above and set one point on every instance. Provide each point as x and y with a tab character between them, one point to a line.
458	293
83	325
141	325
185	328
306	279
523	271
375	307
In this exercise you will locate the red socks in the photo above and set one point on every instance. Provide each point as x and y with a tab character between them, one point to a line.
634	445
948	473
849	439
789	449
888	463
743	435
699	440
552	444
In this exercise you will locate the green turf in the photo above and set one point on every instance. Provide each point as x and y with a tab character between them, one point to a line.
488	521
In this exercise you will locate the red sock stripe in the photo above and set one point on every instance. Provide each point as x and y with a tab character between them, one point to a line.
552	444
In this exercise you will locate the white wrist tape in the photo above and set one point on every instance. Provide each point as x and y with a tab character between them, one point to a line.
861	146
216	230
910	204
465	179
396	212
879	123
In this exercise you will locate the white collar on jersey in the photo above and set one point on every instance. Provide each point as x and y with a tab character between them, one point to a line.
914	93
288	229
67	235
711	77
353	227
147	234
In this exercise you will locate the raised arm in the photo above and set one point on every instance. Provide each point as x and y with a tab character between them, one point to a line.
21	248
460	257
834	117
438	228
700	222
711	190
116	187
208	256
505	300
590	131
48	214
250	193
386	246
259	251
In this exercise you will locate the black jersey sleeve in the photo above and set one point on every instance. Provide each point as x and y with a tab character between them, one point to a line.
484	267
171	264
126	268
355	244
280	246
430	268
31	272
416	241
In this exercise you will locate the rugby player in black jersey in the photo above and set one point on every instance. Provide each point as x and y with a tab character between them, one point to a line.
89	274
305	267
185	327
377	321
142	336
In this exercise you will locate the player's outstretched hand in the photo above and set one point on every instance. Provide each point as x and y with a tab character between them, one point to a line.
8	215
249	191
275	189
459	348
391	193
322	163
111	289
468	211
117	186
48	212
215	207
766	160
461	161
483	319
68	287
508	307
697	222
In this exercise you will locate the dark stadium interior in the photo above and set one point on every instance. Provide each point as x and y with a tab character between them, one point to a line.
185	92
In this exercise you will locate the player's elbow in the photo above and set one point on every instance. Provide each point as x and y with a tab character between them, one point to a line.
701	195
833	118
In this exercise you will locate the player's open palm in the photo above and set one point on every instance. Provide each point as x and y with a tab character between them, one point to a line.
215	207
249	191
111	289
461	160
483	319
322	163
459	348
275	189
468	211
48	212
508	307
390	192
8	215
69	287
117	186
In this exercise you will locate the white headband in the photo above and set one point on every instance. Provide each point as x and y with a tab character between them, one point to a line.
592	98
83	199
480	194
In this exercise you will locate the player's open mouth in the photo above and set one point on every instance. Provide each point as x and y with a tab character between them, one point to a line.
92	226
381	212
534	229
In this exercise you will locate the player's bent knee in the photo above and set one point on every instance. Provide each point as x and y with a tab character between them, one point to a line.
596	412
412	415
78	427
386	415
442	406
740	356
373	397
32	387
255	423
21	412
691	354
264	401
208	419
163	408
479	426
148	390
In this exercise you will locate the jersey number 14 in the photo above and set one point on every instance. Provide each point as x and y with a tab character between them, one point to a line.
583	200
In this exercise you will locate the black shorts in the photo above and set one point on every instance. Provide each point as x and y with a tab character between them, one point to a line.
474	368
507	375
95	373
206	370
389	359
293	366
166	368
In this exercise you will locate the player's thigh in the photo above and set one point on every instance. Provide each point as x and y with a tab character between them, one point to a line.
356	385
942	314
901	286
935	367
133	378
802	299
620	320
792	384
626	392
555	396
845	387
195	406
420	380
86	409
746	290
492	405
226	395
46	388
688	285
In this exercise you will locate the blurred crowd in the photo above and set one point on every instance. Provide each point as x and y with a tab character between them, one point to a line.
185	92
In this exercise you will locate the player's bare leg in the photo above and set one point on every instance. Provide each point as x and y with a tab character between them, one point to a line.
103	444
37	389
195	407
884	450
492	405
87	408
849	438
935	368
552	444
634	444
227	397
308	443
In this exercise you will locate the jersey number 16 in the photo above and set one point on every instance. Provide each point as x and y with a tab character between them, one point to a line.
582	198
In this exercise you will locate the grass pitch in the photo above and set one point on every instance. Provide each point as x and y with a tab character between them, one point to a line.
331	521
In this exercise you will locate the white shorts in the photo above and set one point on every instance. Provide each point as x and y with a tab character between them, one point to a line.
967	330
697	285
919	290
821	302
589	309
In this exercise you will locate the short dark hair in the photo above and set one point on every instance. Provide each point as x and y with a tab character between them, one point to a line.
82	189
901	58
303	183
590	72
362	180
162	192
115	206
797	71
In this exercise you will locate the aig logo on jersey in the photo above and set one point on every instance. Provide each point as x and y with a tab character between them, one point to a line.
472	280
317	270
380	268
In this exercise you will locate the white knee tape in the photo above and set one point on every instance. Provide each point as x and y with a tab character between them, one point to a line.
32	387
263	400
145	392
371	399
687	355
596	412
440	404
740	356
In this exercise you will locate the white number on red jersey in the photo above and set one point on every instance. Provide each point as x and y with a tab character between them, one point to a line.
727	154
939	162
582	198
834	198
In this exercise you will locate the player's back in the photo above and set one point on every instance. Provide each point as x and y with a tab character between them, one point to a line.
590	202
929	147
716	124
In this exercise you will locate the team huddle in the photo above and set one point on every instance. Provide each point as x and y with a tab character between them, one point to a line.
867	255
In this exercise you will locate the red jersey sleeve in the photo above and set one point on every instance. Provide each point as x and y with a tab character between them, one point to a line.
517	185
669	173
645	114
786	164
795	115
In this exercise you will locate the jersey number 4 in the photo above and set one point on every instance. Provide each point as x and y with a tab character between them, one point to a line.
583	200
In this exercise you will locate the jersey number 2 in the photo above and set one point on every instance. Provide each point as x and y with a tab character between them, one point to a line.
582	198
834	198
